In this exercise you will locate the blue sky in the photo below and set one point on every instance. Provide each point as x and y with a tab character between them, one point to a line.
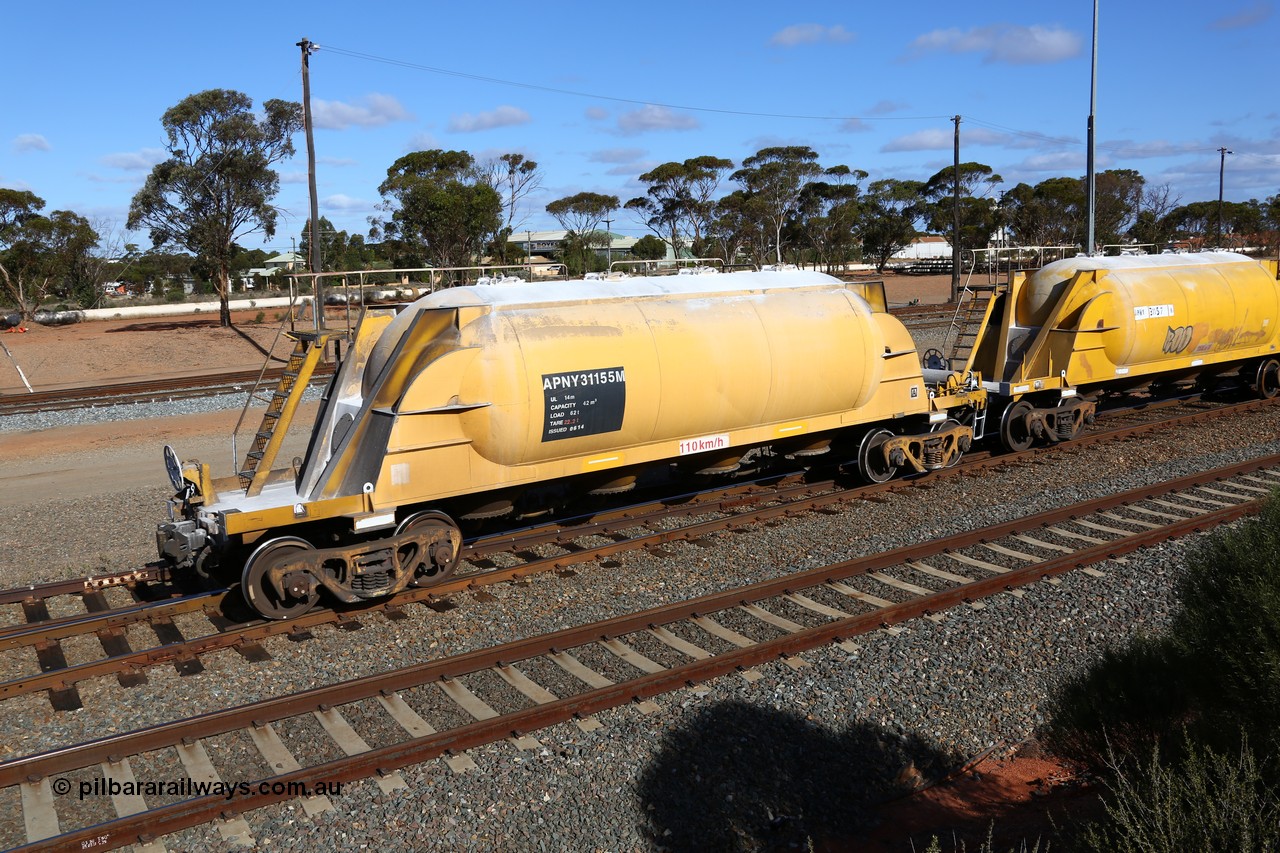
599	93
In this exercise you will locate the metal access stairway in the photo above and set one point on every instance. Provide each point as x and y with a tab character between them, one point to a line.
967	323
282	401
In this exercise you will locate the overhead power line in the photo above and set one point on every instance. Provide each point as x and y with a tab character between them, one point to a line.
573	93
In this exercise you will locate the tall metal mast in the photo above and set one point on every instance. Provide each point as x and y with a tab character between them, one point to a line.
313	224
1093	97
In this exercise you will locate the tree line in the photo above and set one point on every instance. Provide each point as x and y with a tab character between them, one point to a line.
445	208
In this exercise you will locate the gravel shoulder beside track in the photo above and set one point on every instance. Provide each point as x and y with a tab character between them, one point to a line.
798	754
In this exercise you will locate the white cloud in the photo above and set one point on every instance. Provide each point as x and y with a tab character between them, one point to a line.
650	117
503	116
854	125
1016	45
937	139
1247	17
339	201
372	110
293	177
798	34
131	179
31	142
337	161
616	155
421	142
596	113
881	108
135	161
1150	148
633	170
1063	162
933	139
14	184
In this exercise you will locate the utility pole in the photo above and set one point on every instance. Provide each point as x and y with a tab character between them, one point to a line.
1222	169
608	224
313	228
955	218
1090	191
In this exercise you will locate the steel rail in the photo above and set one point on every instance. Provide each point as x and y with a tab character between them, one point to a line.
386	759
148	391
273	709
156	572
61	678
51	589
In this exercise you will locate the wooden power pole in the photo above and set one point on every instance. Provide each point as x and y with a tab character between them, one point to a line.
313	224
955	218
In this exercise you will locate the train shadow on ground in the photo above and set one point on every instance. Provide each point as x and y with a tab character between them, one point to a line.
736	777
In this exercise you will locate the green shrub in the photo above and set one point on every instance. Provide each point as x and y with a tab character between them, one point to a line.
1194	700
1208	801
1228	629
988	846
1132	700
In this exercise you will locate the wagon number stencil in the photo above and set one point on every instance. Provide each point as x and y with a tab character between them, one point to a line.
583	402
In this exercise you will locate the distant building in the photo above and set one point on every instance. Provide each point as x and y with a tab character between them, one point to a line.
551	242
924	247
287	261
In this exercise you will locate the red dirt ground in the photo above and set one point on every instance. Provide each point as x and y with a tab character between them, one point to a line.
1018	798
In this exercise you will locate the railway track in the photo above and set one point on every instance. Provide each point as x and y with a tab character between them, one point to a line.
227	623
572	674
149	391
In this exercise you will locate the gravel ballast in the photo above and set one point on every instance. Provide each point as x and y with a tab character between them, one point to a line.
798	754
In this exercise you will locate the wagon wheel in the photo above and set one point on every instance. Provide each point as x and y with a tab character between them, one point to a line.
438	561
933	359
1267	383
261	595
872	464
1015	431
948	424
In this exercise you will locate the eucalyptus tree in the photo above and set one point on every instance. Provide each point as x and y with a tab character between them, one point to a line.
890	210
1197	222
1118	199
333	245
514	177
217	185
1152	224
979	214
776	177
829	211
738	227
1271	213
1049	214
681	199
41	255
581	215
649	248
1194	221
439	209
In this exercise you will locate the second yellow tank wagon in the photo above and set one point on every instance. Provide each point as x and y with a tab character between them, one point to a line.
1087	324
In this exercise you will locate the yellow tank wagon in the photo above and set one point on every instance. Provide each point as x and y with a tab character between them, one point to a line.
1052	339
487	401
